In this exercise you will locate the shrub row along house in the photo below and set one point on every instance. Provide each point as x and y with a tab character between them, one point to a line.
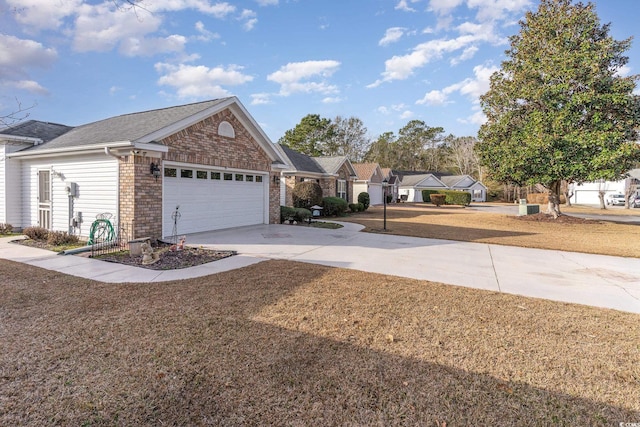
189	168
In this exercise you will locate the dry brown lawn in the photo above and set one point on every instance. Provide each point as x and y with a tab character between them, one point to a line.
462	224
284	343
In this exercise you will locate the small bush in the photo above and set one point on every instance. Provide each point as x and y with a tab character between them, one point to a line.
437	199
361	207
426	195
59	238
36	233
365	199
353	207
334	206
306	194
6	228
286	212
302	214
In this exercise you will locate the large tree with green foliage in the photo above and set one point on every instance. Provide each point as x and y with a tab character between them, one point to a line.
309	135
559	109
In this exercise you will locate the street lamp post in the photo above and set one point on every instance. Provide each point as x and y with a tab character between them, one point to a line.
385	184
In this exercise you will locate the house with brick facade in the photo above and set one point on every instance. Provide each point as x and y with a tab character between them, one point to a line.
189	168
335	174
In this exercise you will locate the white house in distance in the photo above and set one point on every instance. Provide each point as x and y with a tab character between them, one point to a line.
369	180
587	192
412	184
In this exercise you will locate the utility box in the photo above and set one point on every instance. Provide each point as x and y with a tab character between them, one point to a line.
72	189
525	209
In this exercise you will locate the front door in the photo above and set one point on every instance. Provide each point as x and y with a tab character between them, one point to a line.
44	199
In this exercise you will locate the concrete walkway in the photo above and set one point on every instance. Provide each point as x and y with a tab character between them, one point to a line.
596	280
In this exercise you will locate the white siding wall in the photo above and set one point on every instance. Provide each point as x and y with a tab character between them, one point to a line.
10	195
96	176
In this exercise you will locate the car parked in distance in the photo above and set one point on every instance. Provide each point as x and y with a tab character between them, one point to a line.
615	199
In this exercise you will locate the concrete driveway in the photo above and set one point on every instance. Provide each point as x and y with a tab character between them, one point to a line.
596	280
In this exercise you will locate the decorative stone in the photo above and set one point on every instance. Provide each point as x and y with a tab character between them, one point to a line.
148	255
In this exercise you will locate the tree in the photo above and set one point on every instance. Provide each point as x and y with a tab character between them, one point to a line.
308	136
417	147
380	151
559	109
348	138
461	156
19	114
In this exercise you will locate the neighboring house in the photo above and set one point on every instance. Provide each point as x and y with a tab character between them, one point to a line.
412	183
369	180
393	183
587	192
335	174
210	161
12	139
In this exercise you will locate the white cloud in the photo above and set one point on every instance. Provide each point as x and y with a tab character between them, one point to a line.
43	14
392	35
267	2
199	81
17	57
250	19
435	97
443	6
332	100
294	77
493	10
623	71
205	35
218	10
260	99
406	114
151	46
467	54
29	86
472	88
404	5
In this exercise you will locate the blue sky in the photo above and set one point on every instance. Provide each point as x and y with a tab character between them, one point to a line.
383	61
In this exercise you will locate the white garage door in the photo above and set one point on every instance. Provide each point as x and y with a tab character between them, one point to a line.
212	199
375	194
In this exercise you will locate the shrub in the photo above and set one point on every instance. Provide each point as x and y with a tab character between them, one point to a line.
59	238
6	228
36	233
353	207
361	207
302	214
334	206
365	199
306	194
437	199
426	195
286	212
461	198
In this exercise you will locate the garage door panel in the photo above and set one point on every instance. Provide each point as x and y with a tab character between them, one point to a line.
208	204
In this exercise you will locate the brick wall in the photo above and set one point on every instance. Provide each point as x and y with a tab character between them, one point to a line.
140	198
141	203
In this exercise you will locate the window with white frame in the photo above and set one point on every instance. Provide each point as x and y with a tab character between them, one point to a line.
342	189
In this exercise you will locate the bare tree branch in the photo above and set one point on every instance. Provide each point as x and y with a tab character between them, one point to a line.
19	114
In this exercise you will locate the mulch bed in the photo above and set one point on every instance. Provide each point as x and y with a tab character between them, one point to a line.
169	260
564	219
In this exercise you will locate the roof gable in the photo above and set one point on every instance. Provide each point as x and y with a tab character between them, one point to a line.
367	171
301	162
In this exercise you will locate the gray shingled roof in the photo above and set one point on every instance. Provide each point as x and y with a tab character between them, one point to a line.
411	180
331	164
36	129
127	127
301	162
451	180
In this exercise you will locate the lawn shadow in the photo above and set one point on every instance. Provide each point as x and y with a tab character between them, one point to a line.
200	352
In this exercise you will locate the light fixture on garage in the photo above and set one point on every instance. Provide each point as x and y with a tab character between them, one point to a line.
154	170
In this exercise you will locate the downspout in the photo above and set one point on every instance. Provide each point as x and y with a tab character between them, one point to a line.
108	152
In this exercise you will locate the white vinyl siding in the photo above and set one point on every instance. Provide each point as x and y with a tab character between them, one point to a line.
96	177
10	196
214	204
